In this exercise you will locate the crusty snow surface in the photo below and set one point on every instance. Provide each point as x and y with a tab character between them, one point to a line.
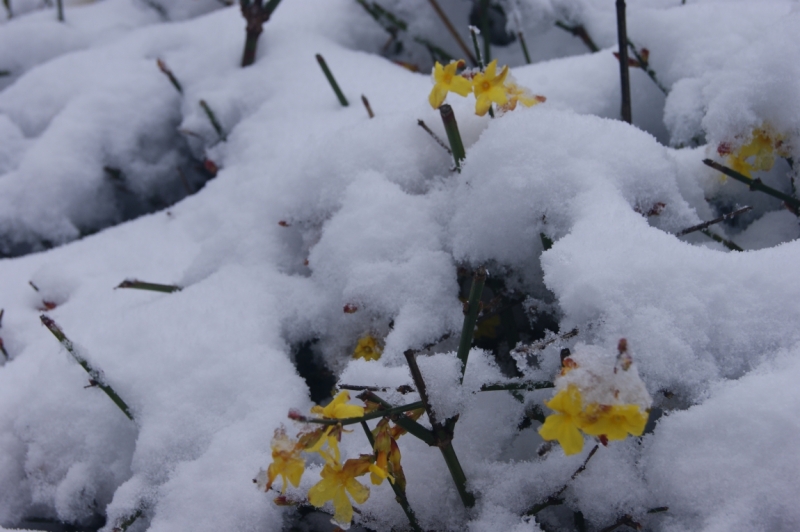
316	206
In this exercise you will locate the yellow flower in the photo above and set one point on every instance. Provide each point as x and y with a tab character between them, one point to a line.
517	94
286	461
446	80
338	408
367	348
488	88
337	481
761	149
563	426
614	422
387	456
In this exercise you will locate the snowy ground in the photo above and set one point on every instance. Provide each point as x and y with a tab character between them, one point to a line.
317	208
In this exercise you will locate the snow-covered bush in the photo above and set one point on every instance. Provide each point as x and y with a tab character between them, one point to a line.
333	249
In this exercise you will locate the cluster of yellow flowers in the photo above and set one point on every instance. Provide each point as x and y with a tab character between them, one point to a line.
488	87
338	480
604	400
756	155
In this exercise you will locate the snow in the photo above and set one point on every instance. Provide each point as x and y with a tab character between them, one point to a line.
323	226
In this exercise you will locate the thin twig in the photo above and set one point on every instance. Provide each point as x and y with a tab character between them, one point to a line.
525	385
473	31
555	499
162	66
722	218
524	47
403	389
256	15
625	82
452	30
529	349
153	287
332	80
724	241
367	106
756	184
60	9
353	420
580	32
443	434
213	119
433	135
96	377
645	65
410	425
399	493
471	317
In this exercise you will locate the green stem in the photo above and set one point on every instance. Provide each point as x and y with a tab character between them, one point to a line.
624	73
460	479
213	119
162	66
756	184
153	287
372	415
443	434
704	225
332	80
399	493
487	56
478	55
410	426
473	31
471	317
524	47
96	376
368	432
724	241
526	385
453	135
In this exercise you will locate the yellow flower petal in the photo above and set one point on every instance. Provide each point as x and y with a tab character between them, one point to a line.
563	426
446	80
488	88
344	508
